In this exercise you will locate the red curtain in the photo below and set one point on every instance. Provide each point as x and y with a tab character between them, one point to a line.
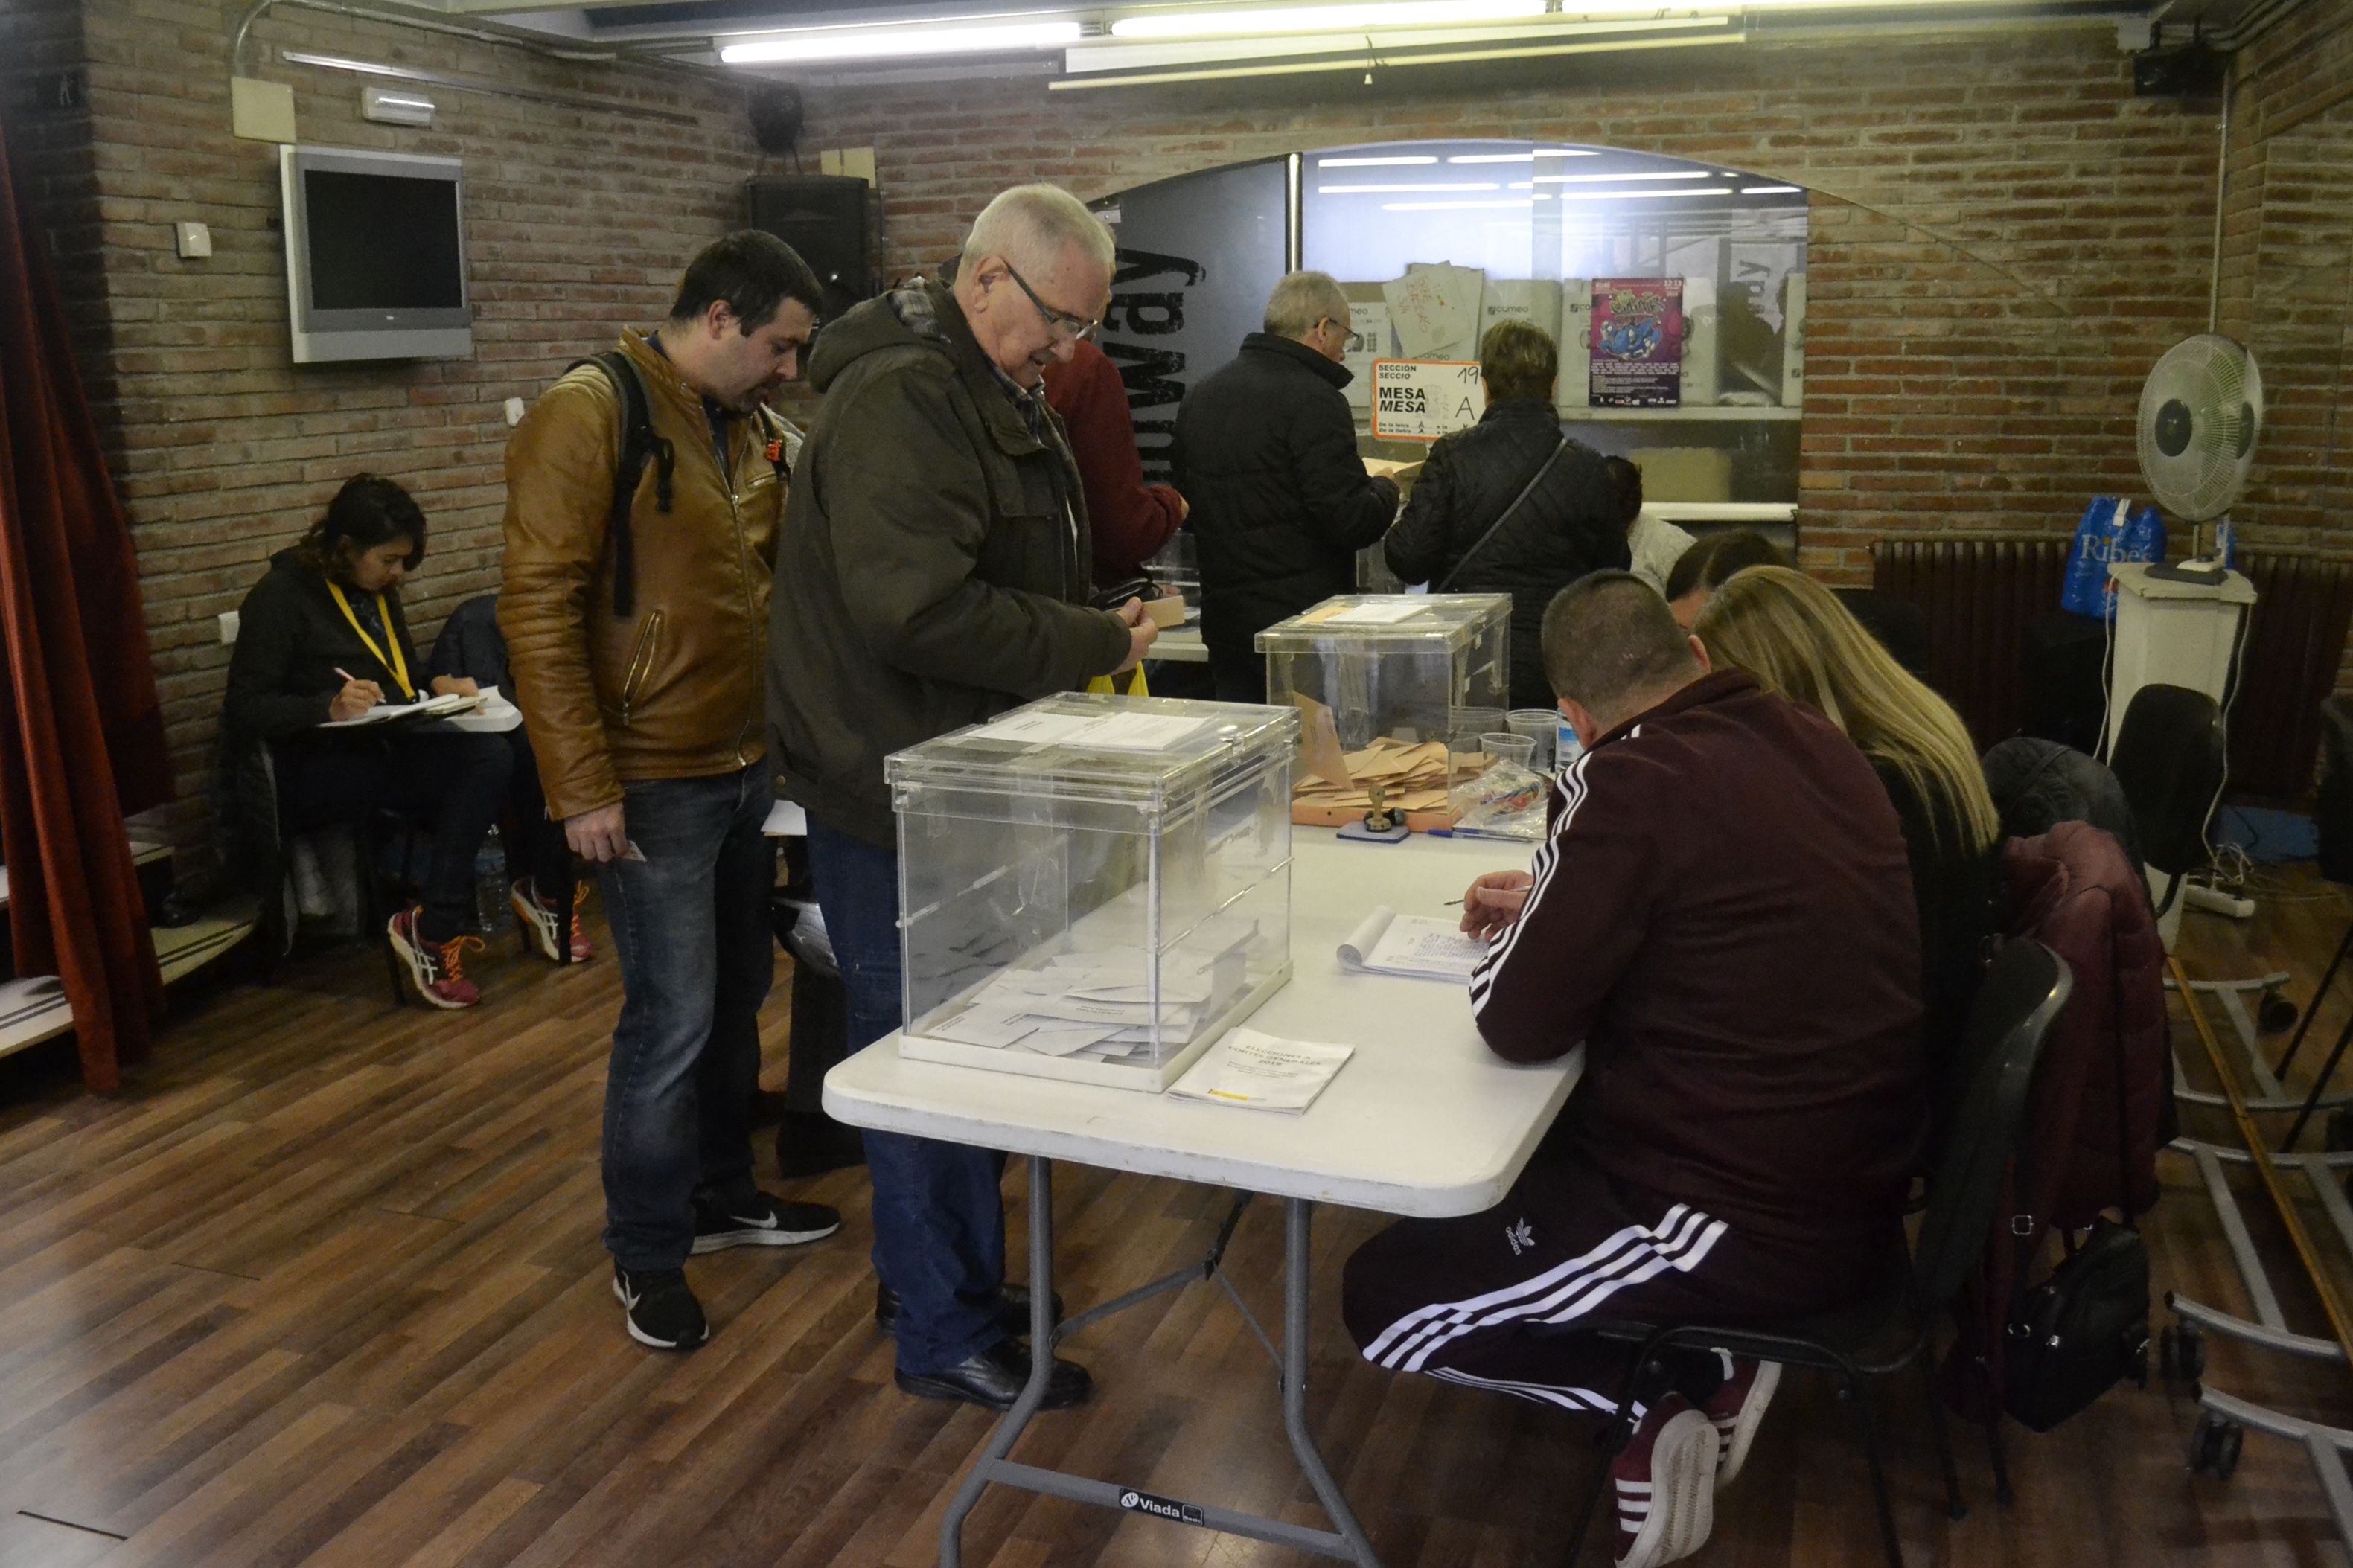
82	727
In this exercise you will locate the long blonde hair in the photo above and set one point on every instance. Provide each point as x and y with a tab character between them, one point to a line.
1797	639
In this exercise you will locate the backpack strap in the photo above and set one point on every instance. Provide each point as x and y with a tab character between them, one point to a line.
639	445
1505	516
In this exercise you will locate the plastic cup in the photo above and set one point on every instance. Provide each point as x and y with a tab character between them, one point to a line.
1518	749
1538	724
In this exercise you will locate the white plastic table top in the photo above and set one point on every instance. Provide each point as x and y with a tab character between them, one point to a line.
1424	1120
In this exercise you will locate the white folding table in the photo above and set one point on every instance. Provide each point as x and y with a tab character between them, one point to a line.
1423	1120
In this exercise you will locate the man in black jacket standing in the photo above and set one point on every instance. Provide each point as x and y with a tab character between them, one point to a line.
933	571
1266	454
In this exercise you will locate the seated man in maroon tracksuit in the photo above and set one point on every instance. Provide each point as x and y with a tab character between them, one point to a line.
1722	915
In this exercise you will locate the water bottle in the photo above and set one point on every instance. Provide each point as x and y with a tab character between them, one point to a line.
1566	747
491	883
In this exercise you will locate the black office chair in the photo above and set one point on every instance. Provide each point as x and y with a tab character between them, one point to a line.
2171	756
1993	1066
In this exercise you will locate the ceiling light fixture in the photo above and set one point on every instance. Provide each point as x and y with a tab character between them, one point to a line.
1380	163
1392	190
901	41
1217	23
1522	204
1640	196
1213	69
1604	179
1771	190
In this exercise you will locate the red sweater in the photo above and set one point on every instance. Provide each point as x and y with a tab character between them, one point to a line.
1723	914
1130	520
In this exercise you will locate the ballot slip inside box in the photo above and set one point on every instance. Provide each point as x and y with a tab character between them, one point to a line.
1093	887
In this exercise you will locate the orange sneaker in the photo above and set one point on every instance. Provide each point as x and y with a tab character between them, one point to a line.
438	968
538	922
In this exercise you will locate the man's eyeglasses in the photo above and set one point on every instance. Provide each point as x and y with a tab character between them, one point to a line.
1061	324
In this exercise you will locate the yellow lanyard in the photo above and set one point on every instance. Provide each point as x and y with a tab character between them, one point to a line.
396	663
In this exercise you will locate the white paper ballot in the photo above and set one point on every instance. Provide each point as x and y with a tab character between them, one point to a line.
1264	1072
786	820
1134	731
1033	729
1379	611
1387	942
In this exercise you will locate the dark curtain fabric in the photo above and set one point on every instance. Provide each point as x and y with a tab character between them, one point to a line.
82	728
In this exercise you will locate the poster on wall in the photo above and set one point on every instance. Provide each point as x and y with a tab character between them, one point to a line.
1636	342
1421	400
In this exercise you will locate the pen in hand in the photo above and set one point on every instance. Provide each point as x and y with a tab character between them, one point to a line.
1451	904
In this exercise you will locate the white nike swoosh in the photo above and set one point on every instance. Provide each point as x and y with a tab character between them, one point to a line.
764	1222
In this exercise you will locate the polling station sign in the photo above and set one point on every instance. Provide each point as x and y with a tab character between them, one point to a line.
1422	399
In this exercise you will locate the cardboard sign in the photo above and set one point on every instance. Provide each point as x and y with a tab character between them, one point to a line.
1421	399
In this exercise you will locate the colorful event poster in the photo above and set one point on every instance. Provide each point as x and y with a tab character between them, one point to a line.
1637	342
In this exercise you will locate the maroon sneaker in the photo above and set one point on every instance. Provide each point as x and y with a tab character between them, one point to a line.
1737	1409
1665	1480
437	968
539	922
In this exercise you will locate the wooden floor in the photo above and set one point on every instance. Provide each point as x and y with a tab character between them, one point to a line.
321	1285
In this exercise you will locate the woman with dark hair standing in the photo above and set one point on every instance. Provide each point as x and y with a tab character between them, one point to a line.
1511	505
322	639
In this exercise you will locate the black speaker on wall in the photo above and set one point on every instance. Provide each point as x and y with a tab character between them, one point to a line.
829	218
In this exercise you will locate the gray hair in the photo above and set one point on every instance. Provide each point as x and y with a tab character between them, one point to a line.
1033	224
1302	299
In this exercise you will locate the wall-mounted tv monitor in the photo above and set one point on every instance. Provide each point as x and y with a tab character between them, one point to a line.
375	255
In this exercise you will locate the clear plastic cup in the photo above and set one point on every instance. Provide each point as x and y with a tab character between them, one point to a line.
1538	724
1518	749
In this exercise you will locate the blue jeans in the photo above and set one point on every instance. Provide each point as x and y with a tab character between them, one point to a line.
939	1218
691	929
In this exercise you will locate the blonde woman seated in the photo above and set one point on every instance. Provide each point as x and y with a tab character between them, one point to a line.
1797	639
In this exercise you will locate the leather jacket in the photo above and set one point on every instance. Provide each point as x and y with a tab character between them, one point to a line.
675	688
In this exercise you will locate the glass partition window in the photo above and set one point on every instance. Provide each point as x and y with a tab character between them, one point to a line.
1676	291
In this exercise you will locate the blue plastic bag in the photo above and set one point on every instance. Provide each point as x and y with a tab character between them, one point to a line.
2111	530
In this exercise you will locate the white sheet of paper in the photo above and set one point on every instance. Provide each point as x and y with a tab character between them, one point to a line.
1387	942
1379	612
1135	732
1033	729
786	820
1262	1071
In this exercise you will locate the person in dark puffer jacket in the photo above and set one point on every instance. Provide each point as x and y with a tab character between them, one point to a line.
1266	452
1461	532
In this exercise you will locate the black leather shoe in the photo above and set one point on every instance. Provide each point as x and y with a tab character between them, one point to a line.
993	1380
1012	1316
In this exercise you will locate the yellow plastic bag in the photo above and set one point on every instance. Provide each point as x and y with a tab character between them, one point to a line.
1108	684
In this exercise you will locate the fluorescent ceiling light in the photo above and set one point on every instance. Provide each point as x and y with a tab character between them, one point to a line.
1220	23
1567	153
1769	190
1604	179
1212	68
899	41
1639	196
1522	204
1374	162
1522	157
1389	190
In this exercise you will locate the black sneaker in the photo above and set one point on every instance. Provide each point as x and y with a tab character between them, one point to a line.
663	1312
760	1220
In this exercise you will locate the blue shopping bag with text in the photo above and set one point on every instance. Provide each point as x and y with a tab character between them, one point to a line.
2111	530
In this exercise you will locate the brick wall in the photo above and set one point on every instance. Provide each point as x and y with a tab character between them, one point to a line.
577	222
2286	277
2004	237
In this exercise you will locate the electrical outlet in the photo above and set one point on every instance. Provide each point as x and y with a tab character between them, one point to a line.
228	628
192	240
515	412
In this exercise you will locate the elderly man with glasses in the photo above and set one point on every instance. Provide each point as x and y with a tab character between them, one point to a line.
1266	452
933	571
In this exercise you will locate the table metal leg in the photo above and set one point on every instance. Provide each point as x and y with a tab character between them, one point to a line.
1345	1542
1297	1216
1041	1365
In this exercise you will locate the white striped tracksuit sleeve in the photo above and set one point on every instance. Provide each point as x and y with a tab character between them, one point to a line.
1543	982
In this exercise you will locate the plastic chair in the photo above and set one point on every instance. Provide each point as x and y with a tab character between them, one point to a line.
2170	757
1994	1064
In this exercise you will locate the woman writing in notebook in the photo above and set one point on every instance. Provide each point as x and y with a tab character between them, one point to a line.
322	640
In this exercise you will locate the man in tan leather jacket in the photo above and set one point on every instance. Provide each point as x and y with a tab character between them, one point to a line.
637	643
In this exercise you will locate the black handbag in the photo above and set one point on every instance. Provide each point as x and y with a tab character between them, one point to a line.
2080	1332
2085	1328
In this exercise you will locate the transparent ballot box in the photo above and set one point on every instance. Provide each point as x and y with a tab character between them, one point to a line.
1093	887
1395	692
